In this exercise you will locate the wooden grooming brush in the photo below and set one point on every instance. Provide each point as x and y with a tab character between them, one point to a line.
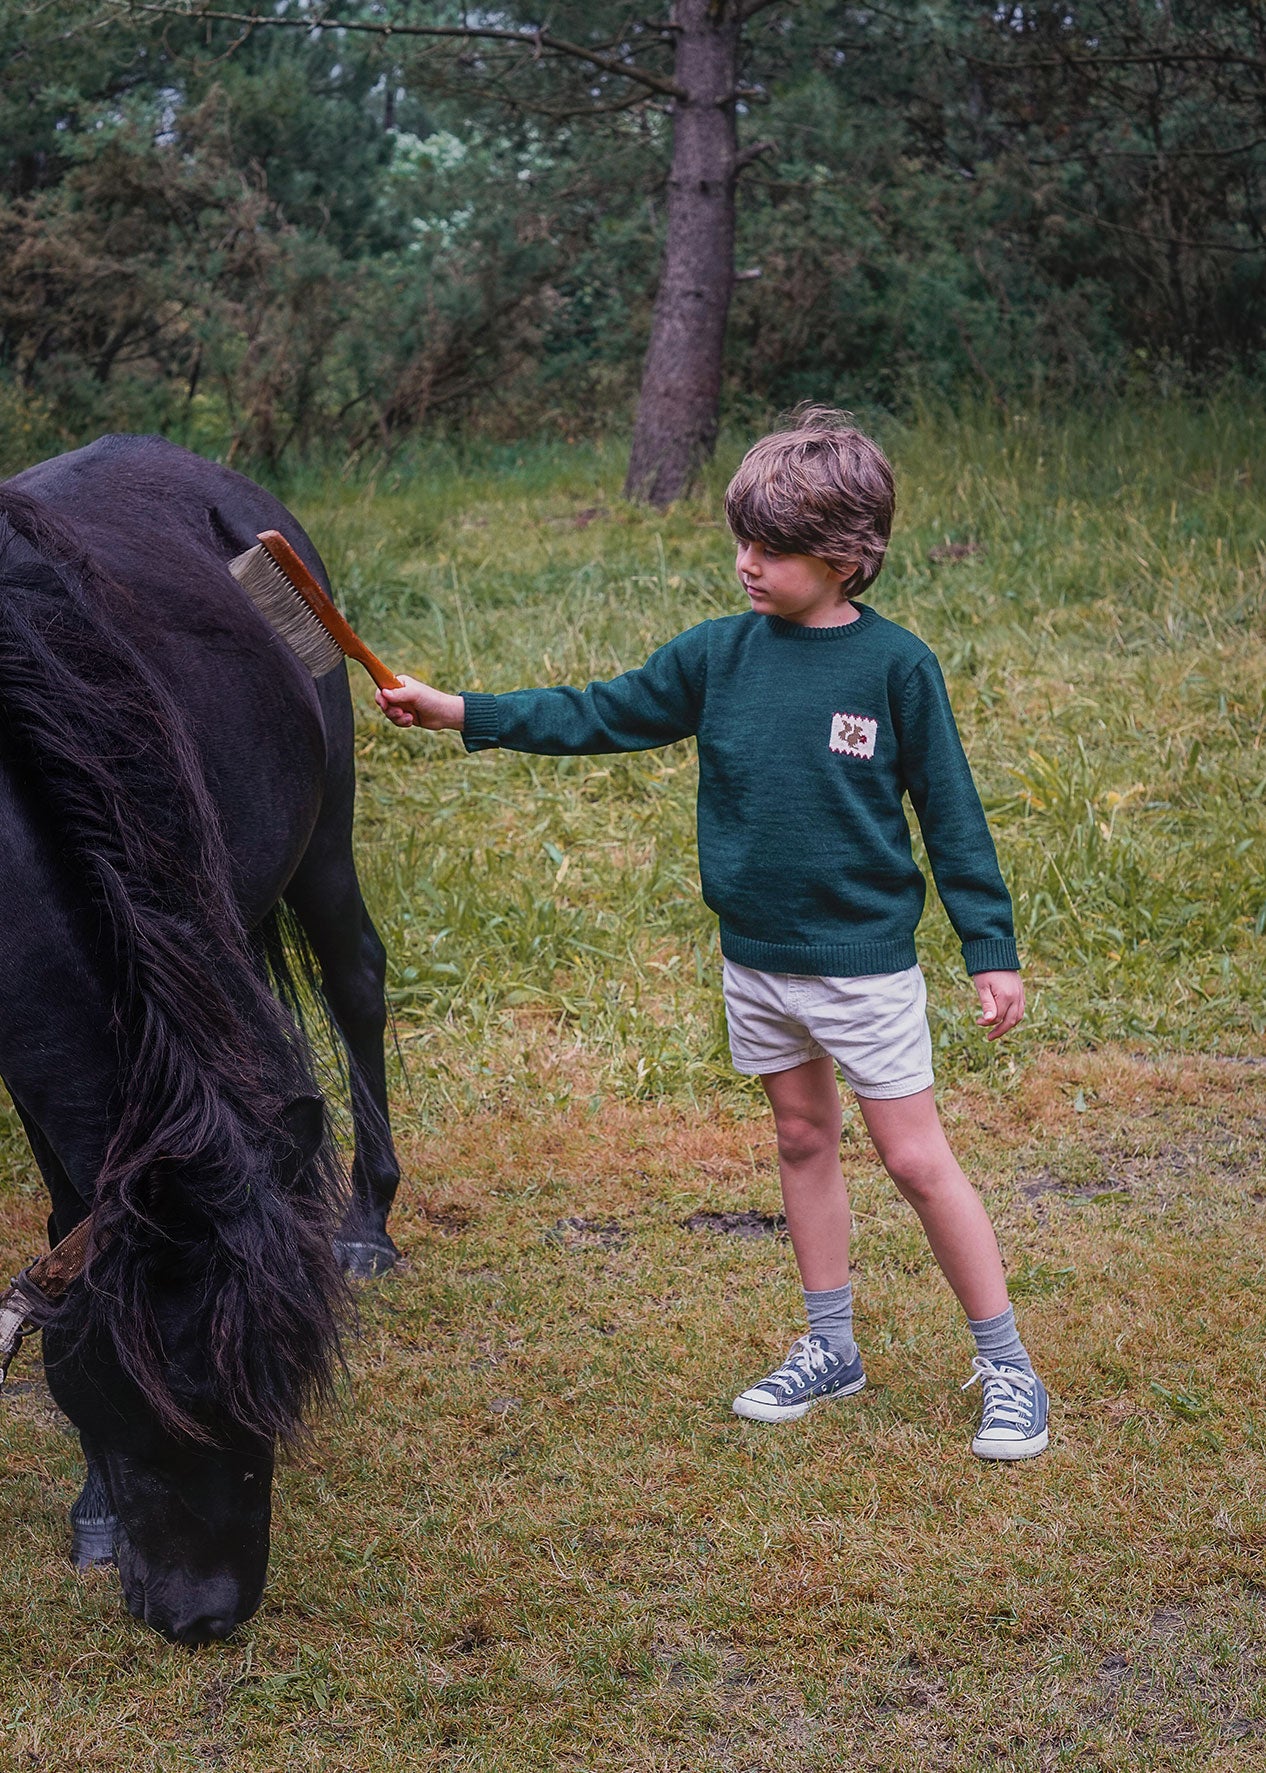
290	600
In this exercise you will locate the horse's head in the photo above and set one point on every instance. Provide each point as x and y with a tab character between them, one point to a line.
185	1470
191	1520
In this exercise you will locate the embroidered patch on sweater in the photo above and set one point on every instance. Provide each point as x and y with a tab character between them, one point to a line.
853	734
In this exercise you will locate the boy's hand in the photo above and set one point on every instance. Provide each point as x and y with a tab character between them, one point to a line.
417	704
1001	1001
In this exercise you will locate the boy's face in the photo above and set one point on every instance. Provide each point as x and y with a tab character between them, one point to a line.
798	587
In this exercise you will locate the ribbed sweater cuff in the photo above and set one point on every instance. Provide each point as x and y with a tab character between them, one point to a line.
998	954
481	730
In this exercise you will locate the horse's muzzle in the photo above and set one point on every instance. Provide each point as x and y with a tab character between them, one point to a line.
183	1609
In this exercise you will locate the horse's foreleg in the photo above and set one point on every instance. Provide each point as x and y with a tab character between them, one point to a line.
353	966
92	1517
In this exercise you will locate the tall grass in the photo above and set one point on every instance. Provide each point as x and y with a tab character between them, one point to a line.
1093	586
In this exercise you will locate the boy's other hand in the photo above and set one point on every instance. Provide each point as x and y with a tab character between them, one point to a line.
417	704
1001	1002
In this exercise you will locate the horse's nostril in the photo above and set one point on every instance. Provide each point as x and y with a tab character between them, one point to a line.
205	1628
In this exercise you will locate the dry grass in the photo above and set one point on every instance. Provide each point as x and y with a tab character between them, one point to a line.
535	1538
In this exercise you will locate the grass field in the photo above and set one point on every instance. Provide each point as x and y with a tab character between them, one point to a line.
534	1537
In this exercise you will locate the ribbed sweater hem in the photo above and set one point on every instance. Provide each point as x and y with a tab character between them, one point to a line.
828	960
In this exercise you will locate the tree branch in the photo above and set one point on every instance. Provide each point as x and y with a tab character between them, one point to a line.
1171	58
1175	152
1099	221
537	41
753	152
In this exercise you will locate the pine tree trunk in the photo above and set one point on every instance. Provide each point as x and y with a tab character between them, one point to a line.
681	380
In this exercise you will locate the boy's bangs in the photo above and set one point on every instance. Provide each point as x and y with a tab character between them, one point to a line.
760	512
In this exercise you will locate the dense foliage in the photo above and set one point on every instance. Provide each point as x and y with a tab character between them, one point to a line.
268	239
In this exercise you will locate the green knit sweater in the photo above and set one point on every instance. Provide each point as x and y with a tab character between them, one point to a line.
808	740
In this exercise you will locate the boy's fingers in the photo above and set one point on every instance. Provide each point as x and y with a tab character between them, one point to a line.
988	1005
1010	1012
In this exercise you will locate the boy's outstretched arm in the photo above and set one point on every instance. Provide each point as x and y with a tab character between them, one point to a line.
656	704
417	704
1001	1001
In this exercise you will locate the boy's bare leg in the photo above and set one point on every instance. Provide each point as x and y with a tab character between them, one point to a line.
912	1147
808	1121
825	1363
911	1142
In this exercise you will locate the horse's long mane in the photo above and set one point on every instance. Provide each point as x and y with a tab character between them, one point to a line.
208	1184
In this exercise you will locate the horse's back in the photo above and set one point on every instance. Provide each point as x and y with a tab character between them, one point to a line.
151	486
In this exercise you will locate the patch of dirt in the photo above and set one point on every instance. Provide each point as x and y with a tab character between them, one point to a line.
1169	1622
476	1634
1180	1656
447	1219
746	1225
588	1234
1088	1171
1050	1181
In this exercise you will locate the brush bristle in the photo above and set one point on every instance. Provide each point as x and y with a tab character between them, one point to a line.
281	605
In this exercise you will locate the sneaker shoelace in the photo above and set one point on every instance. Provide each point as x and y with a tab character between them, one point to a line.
806	1360
1009	1394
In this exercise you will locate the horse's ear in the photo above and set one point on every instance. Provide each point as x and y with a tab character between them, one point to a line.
304	1121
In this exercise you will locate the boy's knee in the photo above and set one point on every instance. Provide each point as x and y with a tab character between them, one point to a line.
803	1137
916	1173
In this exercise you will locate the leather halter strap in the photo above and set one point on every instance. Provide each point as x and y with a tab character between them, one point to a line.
44	1281
54	1271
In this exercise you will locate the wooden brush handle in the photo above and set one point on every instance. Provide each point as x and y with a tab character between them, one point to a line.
323	609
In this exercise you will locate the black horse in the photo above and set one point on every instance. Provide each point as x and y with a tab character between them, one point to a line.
175	794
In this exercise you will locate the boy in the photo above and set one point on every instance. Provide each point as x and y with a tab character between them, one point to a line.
814	717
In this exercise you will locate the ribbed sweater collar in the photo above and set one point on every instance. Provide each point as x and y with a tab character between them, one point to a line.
841	632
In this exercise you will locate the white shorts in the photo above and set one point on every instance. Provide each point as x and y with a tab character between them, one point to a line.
874	1027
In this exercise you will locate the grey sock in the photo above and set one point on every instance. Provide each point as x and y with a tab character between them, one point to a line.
998	1340
831	1318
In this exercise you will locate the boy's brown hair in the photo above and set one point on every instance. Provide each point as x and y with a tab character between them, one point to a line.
818	487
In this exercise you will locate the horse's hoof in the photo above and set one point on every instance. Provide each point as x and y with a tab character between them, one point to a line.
365	1260
93	1522
92	1542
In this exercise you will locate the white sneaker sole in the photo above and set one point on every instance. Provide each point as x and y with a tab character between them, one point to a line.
755	1411
1000	1449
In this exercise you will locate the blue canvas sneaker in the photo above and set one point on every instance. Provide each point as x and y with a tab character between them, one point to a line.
810	1373
1012	1412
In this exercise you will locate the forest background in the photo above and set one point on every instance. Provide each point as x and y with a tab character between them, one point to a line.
273	239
